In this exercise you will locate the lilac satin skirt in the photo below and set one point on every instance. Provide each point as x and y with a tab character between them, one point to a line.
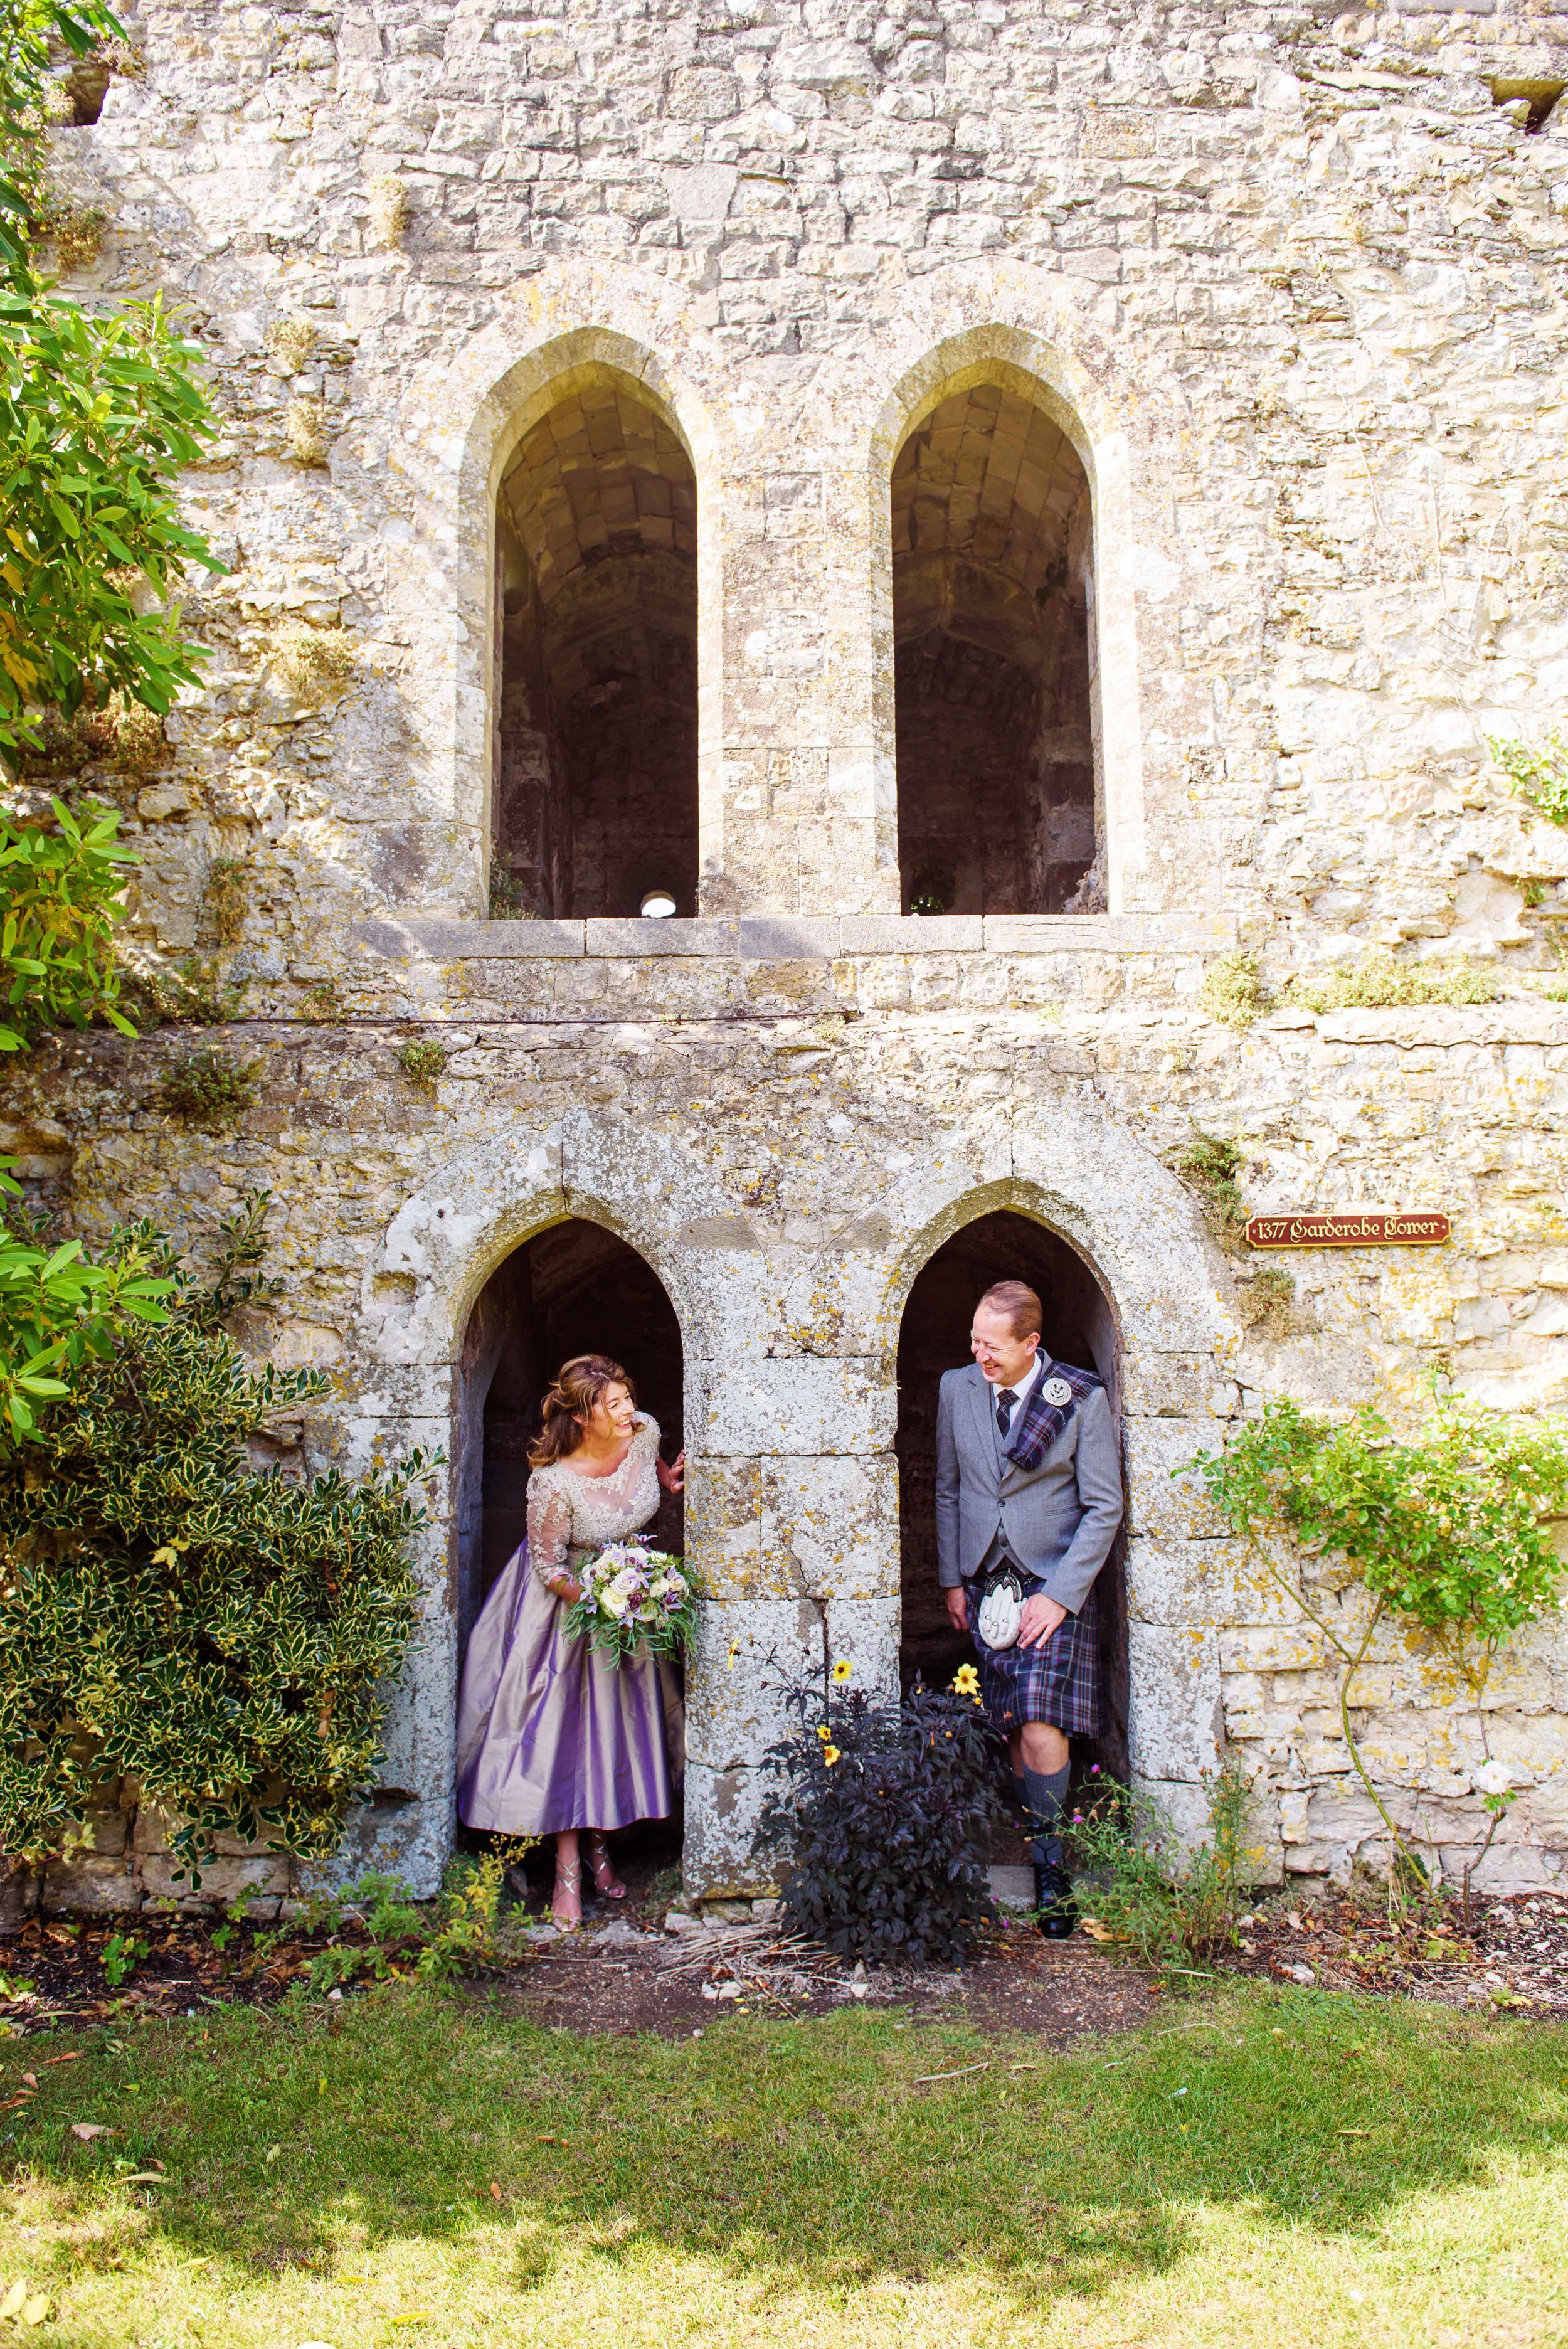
550	1733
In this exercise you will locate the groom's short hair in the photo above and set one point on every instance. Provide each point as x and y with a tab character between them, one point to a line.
1018	1300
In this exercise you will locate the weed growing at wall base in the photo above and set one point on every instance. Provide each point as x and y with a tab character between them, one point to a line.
1149	1892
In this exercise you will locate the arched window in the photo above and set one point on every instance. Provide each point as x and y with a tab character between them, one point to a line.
596	790
993	631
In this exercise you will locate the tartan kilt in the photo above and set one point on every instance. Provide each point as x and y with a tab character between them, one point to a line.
1058	1683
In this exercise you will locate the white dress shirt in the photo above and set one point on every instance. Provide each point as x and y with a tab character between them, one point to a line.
1042	1363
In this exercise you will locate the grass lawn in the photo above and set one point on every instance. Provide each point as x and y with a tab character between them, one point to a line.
1259	2168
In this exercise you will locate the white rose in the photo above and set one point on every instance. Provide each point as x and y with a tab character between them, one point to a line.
1494	1778
615	1603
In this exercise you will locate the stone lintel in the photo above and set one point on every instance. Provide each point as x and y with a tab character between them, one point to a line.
789	938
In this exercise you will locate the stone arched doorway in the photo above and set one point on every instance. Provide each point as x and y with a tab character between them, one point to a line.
573	1288
933	1337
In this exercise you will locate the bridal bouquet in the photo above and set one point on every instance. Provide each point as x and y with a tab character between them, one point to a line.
632	1596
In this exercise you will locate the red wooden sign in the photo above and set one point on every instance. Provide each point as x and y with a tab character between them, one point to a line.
1346	1231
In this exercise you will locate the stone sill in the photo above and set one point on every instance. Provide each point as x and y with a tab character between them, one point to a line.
788	937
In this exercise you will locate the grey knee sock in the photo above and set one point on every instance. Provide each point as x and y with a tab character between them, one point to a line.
1046	1795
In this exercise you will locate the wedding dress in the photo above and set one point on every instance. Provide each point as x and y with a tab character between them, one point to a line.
550	1733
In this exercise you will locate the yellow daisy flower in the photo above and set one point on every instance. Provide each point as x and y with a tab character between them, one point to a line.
830	1755
841	1669
824	1733
965	1681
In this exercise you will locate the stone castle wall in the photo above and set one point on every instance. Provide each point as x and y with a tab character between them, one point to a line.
1292	286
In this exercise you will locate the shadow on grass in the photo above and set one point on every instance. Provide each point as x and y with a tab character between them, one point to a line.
807	2153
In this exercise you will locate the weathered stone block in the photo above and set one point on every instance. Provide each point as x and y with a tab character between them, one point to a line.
222	1880
91	1884
1175	1725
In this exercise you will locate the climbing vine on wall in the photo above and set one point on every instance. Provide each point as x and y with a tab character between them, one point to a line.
225	1638
1445	1530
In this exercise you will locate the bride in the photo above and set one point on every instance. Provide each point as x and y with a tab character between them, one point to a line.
552	1737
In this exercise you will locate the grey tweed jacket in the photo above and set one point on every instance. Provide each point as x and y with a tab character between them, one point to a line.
1058	1523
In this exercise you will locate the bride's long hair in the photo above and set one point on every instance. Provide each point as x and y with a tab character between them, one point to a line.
569	1406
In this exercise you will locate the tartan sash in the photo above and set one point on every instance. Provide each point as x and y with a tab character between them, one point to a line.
1040	1422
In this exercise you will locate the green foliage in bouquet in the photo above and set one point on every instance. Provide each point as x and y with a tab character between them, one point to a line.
225	1638
881	1815
1444	1530
635	1601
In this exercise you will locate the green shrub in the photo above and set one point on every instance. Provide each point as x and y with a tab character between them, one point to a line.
1538	776
423	1061
210	1089
881	1815
1231	991
1268	1302
1150	1894
62	898
1445	1530
1208	1167
57	1309
1379	982
226	1639
227	897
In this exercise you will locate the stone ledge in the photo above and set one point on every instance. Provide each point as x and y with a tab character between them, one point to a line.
789	938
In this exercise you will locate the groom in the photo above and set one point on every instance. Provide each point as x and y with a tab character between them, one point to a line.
1028	1480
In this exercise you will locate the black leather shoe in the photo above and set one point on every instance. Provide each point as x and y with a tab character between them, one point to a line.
1054	1900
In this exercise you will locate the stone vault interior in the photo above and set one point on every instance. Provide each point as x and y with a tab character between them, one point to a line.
992	631
594	755
933	1337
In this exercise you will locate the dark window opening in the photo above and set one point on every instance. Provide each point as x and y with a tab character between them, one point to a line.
934	1337
595	803
992	560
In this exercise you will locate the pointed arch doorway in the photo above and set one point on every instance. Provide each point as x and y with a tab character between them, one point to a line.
1079	1326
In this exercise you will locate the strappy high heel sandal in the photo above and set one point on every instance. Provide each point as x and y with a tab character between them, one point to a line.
568	1884
606	1880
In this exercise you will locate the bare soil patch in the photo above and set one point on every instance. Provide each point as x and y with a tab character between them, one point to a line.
1514	1956
624	1972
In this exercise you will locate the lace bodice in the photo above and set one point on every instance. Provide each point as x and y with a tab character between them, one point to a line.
570	1514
